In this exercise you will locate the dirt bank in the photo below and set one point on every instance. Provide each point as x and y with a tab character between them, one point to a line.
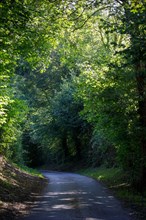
18	190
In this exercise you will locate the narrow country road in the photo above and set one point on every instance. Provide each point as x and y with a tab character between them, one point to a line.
75	197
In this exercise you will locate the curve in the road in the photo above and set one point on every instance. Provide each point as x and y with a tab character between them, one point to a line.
75	197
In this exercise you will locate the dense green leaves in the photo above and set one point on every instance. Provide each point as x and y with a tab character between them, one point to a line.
73	82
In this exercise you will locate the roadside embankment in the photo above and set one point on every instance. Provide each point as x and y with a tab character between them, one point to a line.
18	189
116	180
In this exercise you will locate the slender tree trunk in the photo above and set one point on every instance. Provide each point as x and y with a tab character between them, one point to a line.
65	146
77	144
141	88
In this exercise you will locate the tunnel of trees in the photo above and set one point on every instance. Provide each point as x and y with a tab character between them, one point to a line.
73	83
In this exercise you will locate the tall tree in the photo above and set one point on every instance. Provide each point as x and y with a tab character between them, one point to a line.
129	21
134	25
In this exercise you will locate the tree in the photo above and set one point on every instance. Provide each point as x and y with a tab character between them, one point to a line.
23	34
133	25
101	45
129	17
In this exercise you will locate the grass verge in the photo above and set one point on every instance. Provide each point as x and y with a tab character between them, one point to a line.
117	181
29	170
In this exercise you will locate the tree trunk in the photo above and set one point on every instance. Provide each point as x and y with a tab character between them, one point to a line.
77	144
141	88
65	146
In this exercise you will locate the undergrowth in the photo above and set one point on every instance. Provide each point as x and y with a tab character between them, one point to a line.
117	181
29	170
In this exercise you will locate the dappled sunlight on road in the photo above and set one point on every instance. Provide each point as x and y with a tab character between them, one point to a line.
72	197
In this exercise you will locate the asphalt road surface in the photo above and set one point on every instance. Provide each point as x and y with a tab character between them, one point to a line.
74	197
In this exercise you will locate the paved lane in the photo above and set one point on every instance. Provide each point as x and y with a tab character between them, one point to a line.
75	197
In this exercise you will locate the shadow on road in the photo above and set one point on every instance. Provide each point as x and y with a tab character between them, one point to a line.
71	196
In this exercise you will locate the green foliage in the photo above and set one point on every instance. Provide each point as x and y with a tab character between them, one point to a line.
23	34
110	176
113	92
11	131
102	152
76	69
28	170
116	179
32	154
